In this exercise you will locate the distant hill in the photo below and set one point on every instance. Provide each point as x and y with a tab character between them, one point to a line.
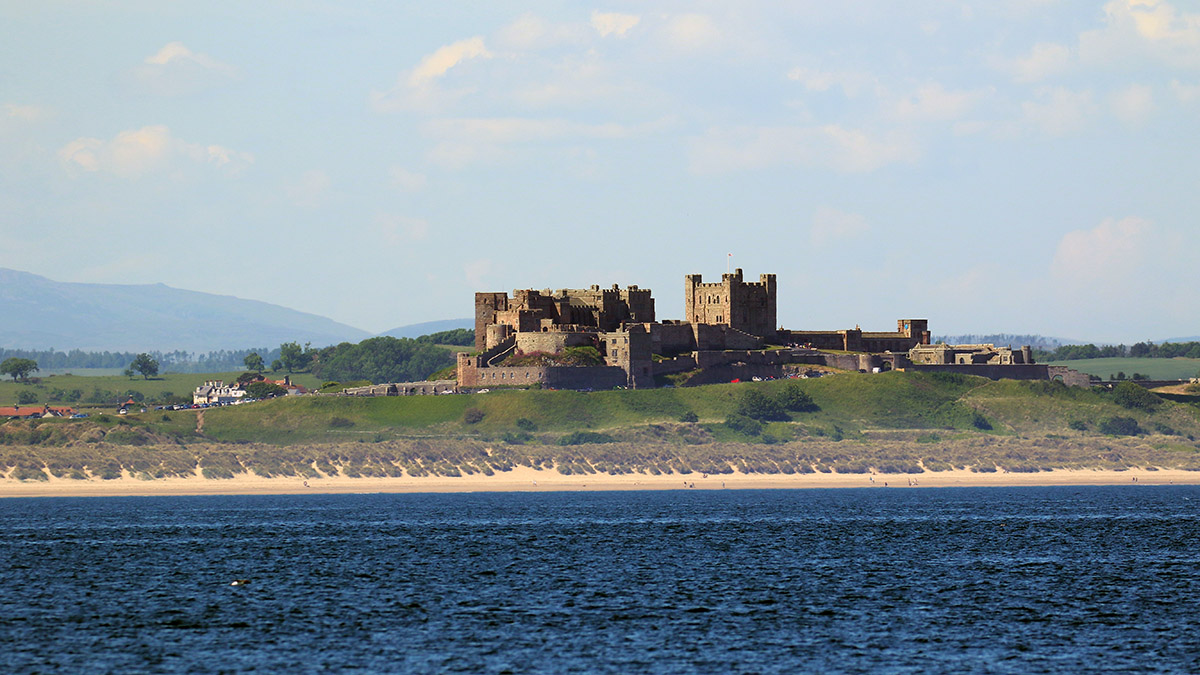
418	329
1007	340
1194	338
39	313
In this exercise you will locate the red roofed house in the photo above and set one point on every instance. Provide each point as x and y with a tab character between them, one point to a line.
30	412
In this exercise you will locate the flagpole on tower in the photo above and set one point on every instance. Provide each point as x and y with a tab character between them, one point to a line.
728	258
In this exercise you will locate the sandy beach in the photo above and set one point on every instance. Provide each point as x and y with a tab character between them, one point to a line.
523	479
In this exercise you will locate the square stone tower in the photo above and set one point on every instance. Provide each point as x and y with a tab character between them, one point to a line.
745	306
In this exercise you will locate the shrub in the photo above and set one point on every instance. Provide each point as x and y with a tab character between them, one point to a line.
744	424
26	397
525	424
757	405
1132	396
1078	425
340	422
473	415
794	398
980	422
1120	426
582	356
689	417
264	390
1164	429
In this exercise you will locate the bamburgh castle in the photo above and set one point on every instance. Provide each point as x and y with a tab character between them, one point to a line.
729	332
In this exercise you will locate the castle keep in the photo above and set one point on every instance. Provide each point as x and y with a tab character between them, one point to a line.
745	307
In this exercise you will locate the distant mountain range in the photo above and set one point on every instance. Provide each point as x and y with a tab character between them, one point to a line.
38	313
419	329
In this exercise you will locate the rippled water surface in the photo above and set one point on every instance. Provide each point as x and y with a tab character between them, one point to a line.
925	580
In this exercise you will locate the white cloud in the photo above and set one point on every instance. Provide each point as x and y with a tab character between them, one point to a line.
830	146
419	87
408	180
310	190
1185	92
613	23
1103	255
398	230
1059	111
441	61
1143	30
478	271
852	83
692	32
1133	104
24	113
175	70
149	149
470	140
1046	59
933	103
831	225
530	32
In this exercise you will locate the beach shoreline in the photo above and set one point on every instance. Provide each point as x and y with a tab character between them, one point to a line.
524	479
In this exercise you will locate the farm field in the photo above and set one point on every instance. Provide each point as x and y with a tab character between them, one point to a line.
1156	369
154	389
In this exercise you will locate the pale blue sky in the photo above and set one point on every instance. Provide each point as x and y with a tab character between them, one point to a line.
1027	166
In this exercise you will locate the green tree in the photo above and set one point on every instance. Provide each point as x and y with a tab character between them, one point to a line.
382	359
1130	395
254	362
294	357
1120	426
145	364
759	406
17	367
794	398
276	366
128	372
264	390
458	336
744	424
26	397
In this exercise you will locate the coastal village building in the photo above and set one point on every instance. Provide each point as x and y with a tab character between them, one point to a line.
215	391
34	412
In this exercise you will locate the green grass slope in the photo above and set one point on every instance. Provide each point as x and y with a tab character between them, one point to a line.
852	402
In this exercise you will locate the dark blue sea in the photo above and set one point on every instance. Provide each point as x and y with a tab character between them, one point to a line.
999	580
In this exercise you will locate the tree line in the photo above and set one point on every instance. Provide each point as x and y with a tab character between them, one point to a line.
1140	350
378	359
176	361
180	361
